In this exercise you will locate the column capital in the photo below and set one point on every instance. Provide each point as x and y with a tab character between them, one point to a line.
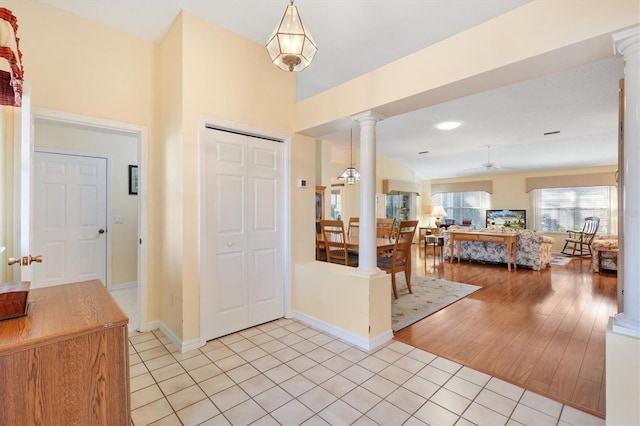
626	42
368	116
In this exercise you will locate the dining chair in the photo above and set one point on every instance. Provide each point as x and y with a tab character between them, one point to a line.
384	227
354	226
400	259
335	243
321	253
578	243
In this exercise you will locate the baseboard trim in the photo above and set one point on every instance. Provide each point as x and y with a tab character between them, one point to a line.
123	286
175	341
347	336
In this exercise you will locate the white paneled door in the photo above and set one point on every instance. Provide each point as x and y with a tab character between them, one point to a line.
70	217
242	264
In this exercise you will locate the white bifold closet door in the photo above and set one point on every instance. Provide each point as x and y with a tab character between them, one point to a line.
242	264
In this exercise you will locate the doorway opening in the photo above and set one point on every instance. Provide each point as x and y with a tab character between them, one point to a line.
126	276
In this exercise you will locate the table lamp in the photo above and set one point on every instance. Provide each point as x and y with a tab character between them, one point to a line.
438	212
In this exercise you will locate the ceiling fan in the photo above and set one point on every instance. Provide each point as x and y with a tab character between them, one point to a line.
489	165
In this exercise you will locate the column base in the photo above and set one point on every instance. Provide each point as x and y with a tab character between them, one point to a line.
624	325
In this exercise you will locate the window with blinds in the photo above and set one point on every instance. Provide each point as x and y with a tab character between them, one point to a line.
564	209
464	205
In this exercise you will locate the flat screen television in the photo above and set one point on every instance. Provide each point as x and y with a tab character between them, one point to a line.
507	218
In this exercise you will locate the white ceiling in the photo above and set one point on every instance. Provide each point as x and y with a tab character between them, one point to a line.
357	36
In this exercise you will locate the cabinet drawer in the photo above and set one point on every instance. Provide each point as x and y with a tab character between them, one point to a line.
491	238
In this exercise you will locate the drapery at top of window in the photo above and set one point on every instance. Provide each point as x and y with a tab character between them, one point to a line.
11	70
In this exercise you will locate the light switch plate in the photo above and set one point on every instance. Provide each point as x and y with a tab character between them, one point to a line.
118	220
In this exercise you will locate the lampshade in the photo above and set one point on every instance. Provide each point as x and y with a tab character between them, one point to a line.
438	211
291	46
350	176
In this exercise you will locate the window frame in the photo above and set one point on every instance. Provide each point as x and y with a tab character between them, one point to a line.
478	219
571	218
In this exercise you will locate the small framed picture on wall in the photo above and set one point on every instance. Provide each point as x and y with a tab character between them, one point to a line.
133	180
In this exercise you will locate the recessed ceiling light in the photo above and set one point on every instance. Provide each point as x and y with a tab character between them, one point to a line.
448	125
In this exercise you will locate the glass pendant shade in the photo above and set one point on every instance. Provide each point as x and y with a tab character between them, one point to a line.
291	46
350	176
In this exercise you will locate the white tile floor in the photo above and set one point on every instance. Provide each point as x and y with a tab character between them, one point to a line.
127	299
287	373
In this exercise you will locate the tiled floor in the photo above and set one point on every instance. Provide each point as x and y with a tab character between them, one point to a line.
288	373
127	299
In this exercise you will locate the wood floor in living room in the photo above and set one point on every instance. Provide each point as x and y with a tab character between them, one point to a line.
542	330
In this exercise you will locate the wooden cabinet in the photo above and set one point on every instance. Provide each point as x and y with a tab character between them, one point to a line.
67	361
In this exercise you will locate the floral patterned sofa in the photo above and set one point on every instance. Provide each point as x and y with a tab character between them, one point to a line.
609	262
532	250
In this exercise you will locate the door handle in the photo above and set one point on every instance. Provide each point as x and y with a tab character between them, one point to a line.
25	260
101	231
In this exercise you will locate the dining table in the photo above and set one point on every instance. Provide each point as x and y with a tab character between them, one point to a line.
353	242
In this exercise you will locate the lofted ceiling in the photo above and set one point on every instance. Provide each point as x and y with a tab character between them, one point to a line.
357	36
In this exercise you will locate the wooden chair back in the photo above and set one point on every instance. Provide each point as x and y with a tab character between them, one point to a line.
384	227
401	254
590	228
578	243
354	226
320	250
334	241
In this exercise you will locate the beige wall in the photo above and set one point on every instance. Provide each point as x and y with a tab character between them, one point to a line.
199	70
165	168
344	299
535	39
78	66
122	150
226	77
623	373
331	162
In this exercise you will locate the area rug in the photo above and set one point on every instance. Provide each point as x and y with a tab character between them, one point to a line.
560	260
429	296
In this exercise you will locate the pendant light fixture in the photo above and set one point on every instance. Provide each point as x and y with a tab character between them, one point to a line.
291	46
350	176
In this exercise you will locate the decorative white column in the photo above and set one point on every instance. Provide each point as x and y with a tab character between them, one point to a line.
628	321
367	256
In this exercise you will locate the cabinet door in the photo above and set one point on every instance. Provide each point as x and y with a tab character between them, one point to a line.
81	380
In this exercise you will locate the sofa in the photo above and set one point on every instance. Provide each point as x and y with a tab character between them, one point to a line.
532	250
610	260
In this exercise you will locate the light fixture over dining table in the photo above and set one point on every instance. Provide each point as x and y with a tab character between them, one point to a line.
291	46
350	176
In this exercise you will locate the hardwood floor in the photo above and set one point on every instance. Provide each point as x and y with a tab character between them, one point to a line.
541	330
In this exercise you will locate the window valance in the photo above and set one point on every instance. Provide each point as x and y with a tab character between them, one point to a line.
478	185
571	181
390	186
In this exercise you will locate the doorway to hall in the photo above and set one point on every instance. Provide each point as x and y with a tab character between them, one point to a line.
86	137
